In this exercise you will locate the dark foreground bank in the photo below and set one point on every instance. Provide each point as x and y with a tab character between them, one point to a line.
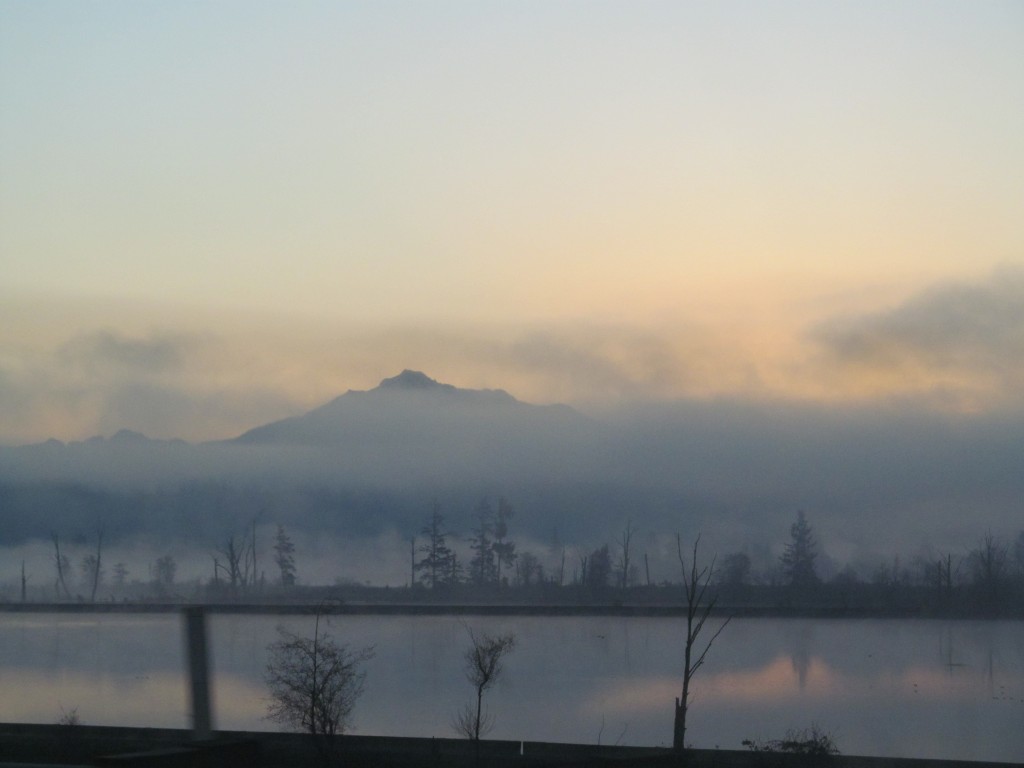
80	745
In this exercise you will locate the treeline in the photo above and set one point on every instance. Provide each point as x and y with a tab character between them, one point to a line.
986	579
488	564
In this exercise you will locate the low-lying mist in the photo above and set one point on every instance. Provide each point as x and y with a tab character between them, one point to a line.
354	480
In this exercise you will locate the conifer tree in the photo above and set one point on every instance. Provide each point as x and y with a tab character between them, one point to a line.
284	557
483	567
504	548
438	561
797	560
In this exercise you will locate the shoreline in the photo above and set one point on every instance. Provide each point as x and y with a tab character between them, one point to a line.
624	610
113	745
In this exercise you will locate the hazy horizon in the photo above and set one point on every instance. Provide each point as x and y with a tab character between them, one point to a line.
354	479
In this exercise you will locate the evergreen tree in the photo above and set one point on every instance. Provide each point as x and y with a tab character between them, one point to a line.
120	574
454	573
504	549
284	557
598	570
164	571
735	569
483	567
438	565
797	560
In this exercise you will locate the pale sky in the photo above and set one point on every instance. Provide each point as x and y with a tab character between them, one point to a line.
217	214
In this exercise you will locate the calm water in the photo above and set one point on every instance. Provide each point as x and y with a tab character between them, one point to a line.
882	687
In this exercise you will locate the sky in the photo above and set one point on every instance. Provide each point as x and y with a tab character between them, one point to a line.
213	215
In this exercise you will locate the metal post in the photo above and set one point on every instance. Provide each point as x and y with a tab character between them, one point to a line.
198	668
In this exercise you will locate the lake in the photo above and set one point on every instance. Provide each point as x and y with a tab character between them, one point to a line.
909	688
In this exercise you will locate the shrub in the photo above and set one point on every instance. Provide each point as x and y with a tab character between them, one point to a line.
809	741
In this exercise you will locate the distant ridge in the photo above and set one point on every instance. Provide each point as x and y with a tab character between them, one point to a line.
411	404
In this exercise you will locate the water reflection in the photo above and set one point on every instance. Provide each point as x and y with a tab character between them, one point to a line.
910	688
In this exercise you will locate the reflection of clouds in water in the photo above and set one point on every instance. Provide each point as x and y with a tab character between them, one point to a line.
777	681
632	697
240	704
39	697
781	678
152	700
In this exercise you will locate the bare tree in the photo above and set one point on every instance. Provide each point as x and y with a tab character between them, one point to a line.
624	541
696	580
62	564
92	573
239	564
483	668
250	554
989	563
232	567
97	573
314	683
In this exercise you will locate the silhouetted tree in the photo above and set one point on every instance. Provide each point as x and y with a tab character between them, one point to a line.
436	565
164	571
938	572
504	549
232	565
284	557
797	560
96	565
62	565
314	683
598	570
625	538
92	574
239	564
556	551
989	563
699	606
455	573
735	569
528	570
120	574
483	567
483	668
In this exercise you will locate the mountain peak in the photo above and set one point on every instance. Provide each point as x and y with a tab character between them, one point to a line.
413	380
128	436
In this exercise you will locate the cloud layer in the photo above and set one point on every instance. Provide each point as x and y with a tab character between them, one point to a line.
960	343
955	346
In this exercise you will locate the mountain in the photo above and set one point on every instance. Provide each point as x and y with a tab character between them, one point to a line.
365	462
414	409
